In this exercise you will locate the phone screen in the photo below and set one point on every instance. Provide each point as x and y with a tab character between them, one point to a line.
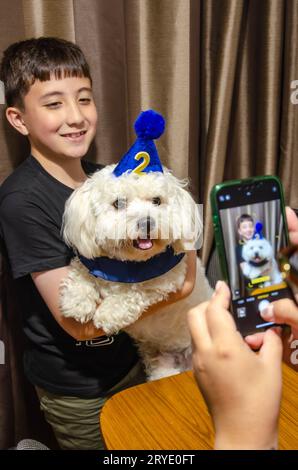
253	228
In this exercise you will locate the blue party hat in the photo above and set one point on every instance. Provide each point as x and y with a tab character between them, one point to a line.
258	231
142	157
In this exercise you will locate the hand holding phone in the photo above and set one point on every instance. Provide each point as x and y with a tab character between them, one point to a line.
250	228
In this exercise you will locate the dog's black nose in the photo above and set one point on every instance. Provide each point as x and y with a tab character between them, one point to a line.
146	224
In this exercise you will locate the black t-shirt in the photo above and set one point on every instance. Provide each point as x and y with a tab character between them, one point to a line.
31	208
239	253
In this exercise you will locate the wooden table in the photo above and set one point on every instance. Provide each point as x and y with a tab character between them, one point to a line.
171	414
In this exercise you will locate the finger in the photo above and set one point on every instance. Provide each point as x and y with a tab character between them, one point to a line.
197	324
293	238
282	311
220	322
271	350
222	295
292	219
292	222
255	341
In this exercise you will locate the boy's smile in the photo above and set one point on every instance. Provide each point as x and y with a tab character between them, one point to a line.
75	136
60	117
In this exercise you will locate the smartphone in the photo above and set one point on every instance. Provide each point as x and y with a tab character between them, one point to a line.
250	229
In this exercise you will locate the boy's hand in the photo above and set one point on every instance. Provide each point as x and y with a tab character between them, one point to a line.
285	310
242	389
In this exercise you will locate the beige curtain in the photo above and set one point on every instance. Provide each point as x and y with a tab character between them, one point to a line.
248	123
219	70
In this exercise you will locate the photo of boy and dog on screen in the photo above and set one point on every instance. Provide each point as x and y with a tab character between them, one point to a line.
253	234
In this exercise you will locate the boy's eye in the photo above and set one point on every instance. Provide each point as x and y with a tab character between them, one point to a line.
85	100
53	105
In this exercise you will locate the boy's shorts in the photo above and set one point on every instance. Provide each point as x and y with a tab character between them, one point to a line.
75	421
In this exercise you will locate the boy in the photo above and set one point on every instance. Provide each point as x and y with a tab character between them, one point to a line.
48	91
245	229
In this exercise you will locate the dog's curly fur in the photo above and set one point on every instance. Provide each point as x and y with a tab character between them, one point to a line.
89	226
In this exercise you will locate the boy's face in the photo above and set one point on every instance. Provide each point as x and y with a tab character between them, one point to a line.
60	117
246	229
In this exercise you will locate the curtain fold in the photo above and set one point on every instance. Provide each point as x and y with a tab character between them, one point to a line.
219	51
49	18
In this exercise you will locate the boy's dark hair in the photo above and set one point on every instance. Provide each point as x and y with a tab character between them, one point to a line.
243	218
37	59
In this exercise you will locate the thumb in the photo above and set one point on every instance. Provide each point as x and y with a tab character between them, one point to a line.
271	350
282	311
222	295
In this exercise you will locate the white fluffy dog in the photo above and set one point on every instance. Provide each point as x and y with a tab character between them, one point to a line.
259	261
133	218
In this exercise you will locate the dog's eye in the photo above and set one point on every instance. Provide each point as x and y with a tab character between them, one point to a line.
120	203
156	201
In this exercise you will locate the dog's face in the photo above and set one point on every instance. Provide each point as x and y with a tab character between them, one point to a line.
130	217
257	250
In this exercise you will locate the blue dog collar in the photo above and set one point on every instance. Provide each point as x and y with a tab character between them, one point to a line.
132	271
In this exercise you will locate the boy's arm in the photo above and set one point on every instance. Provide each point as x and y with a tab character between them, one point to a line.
47	283
186	289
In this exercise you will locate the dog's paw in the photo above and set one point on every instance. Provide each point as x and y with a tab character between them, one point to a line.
109	327
81	310
113	315
79	298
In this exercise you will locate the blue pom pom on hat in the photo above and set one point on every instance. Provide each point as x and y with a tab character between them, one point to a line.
142	157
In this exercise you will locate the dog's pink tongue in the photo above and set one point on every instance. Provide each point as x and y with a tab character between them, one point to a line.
144	243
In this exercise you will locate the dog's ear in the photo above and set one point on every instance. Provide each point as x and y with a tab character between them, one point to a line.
187	222
78	227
